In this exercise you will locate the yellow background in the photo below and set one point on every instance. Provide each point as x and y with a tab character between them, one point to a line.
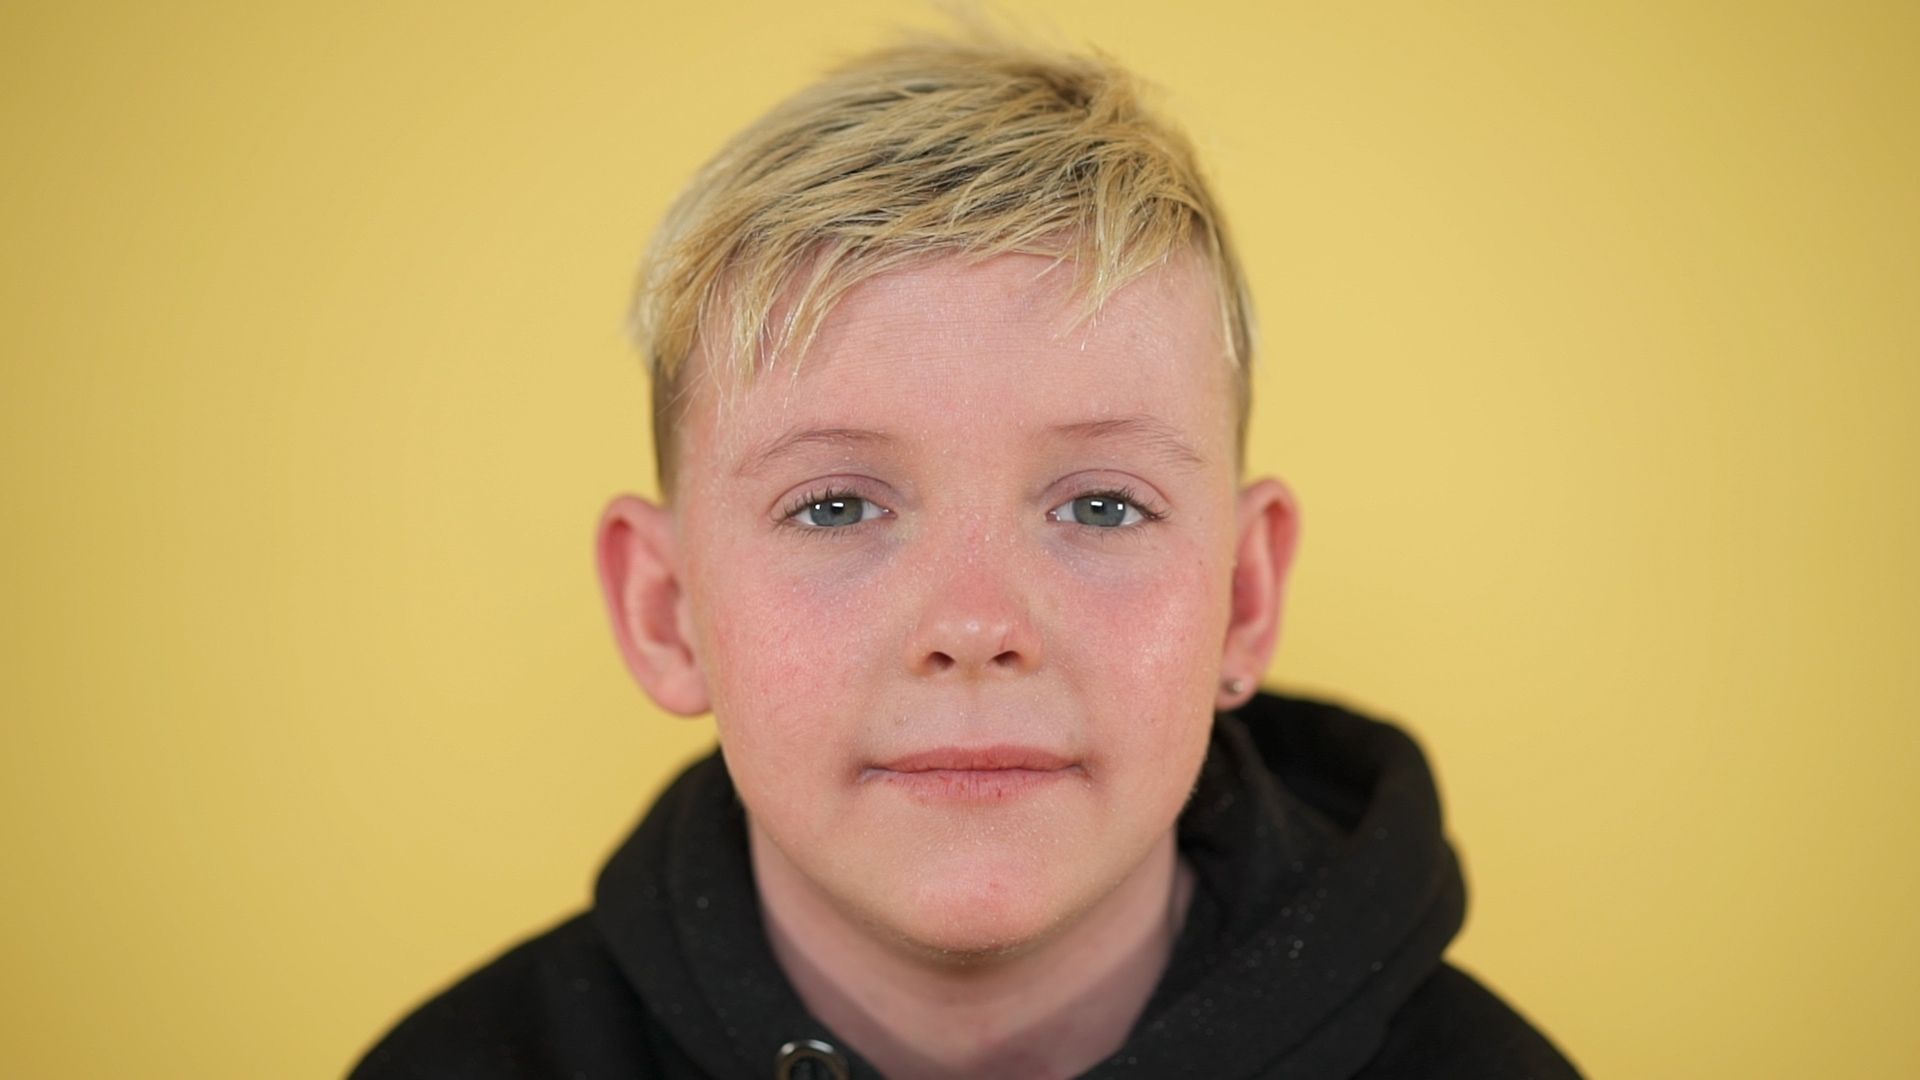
1590	346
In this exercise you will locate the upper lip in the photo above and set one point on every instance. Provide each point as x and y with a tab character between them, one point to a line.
978	759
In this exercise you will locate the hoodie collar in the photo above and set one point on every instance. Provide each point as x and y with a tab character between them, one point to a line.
1327	894
1331	893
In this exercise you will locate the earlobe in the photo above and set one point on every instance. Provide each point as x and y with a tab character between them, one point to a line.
1267	536
640	578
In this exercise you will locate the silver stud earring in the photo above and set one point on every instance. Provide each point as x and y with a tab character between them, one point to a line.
1233	685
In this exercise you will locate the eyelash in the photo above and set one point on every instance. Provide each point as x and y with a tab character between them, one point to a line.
1123	493
794	508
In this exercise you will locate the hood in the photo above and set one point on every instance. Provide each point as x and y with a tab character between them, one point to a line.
1326	895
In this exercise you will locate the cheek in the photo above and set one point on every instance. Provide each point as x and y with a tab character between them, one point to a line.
1157	627
1152	616
1149	641
784	656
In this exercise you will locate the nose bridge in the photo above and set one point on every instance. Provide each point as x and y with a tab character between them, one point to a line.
975	616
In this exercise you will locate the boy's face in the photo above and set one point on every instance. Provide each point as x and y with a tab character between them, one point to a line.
958	591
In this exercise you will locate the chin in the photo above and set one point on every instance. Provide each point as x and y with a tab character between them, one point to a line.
977	918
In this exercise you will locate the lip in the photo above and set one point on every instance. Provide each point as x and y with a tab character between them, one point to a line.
998	756
973	773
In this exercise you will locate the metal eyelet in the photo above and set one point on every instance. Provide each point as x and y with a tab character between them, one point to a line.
810	1059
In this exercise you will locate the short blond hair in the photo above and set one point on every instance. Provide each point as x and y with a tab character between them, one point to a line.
972	147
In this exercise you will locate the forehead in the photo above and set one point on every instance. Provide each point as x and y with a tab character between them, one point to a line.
951	350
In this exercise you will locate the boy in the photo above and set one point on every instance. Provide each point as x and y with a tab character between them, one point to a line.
950	361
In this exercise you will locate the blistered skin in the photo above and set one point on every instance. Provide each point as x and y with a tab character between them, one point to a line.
858	669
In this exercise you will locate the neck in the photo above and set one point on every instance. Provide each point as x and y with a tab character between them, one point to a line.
1044	1013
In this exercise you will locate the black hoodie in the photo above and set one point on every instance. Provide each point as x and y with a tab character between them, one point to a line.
1326	894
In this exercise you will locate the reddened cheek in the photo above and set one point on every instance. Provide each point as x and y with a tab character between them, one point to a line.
795	663
1158	619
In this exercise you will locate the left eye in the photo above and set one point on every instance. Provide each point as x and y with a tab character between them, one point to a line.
834	511
1105	509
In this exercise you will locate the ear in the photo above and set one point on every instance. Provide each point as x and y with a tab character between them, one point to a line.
1268	532
640	575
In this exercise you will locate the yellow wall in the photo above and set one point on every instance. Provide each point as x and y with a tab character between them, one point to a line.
1591	348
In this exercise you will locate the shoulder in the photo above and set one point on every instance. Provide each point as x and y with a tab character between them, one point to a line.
553	1005
1453	1026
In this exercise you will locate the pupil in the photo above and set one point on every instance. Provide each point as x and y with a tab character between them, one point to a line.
1098	510
836	511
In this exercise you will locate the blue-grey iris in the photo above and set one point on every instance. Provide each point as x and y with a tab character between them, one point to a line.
837	512
1099	510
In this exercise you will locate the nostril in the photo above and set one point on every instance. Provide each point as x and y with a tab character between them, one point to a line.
939	661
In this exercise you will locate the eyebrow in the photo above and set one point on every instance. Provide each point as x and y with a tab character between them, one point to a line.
796	440
1156	434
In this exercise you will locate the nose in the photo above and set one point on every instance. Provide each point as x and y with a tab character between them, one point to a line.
976	622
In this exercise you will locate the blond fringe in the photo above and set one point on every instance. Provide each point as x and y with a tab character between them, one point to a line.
972	147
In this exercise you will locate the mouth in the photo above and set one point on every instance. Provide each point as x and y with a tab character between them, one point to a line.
973	774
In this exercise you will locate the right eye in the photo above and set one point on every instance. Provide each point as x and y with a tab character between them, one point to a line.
833	510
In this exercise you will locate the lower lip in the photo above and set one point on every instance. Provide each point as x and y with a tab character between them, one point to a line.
972	785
